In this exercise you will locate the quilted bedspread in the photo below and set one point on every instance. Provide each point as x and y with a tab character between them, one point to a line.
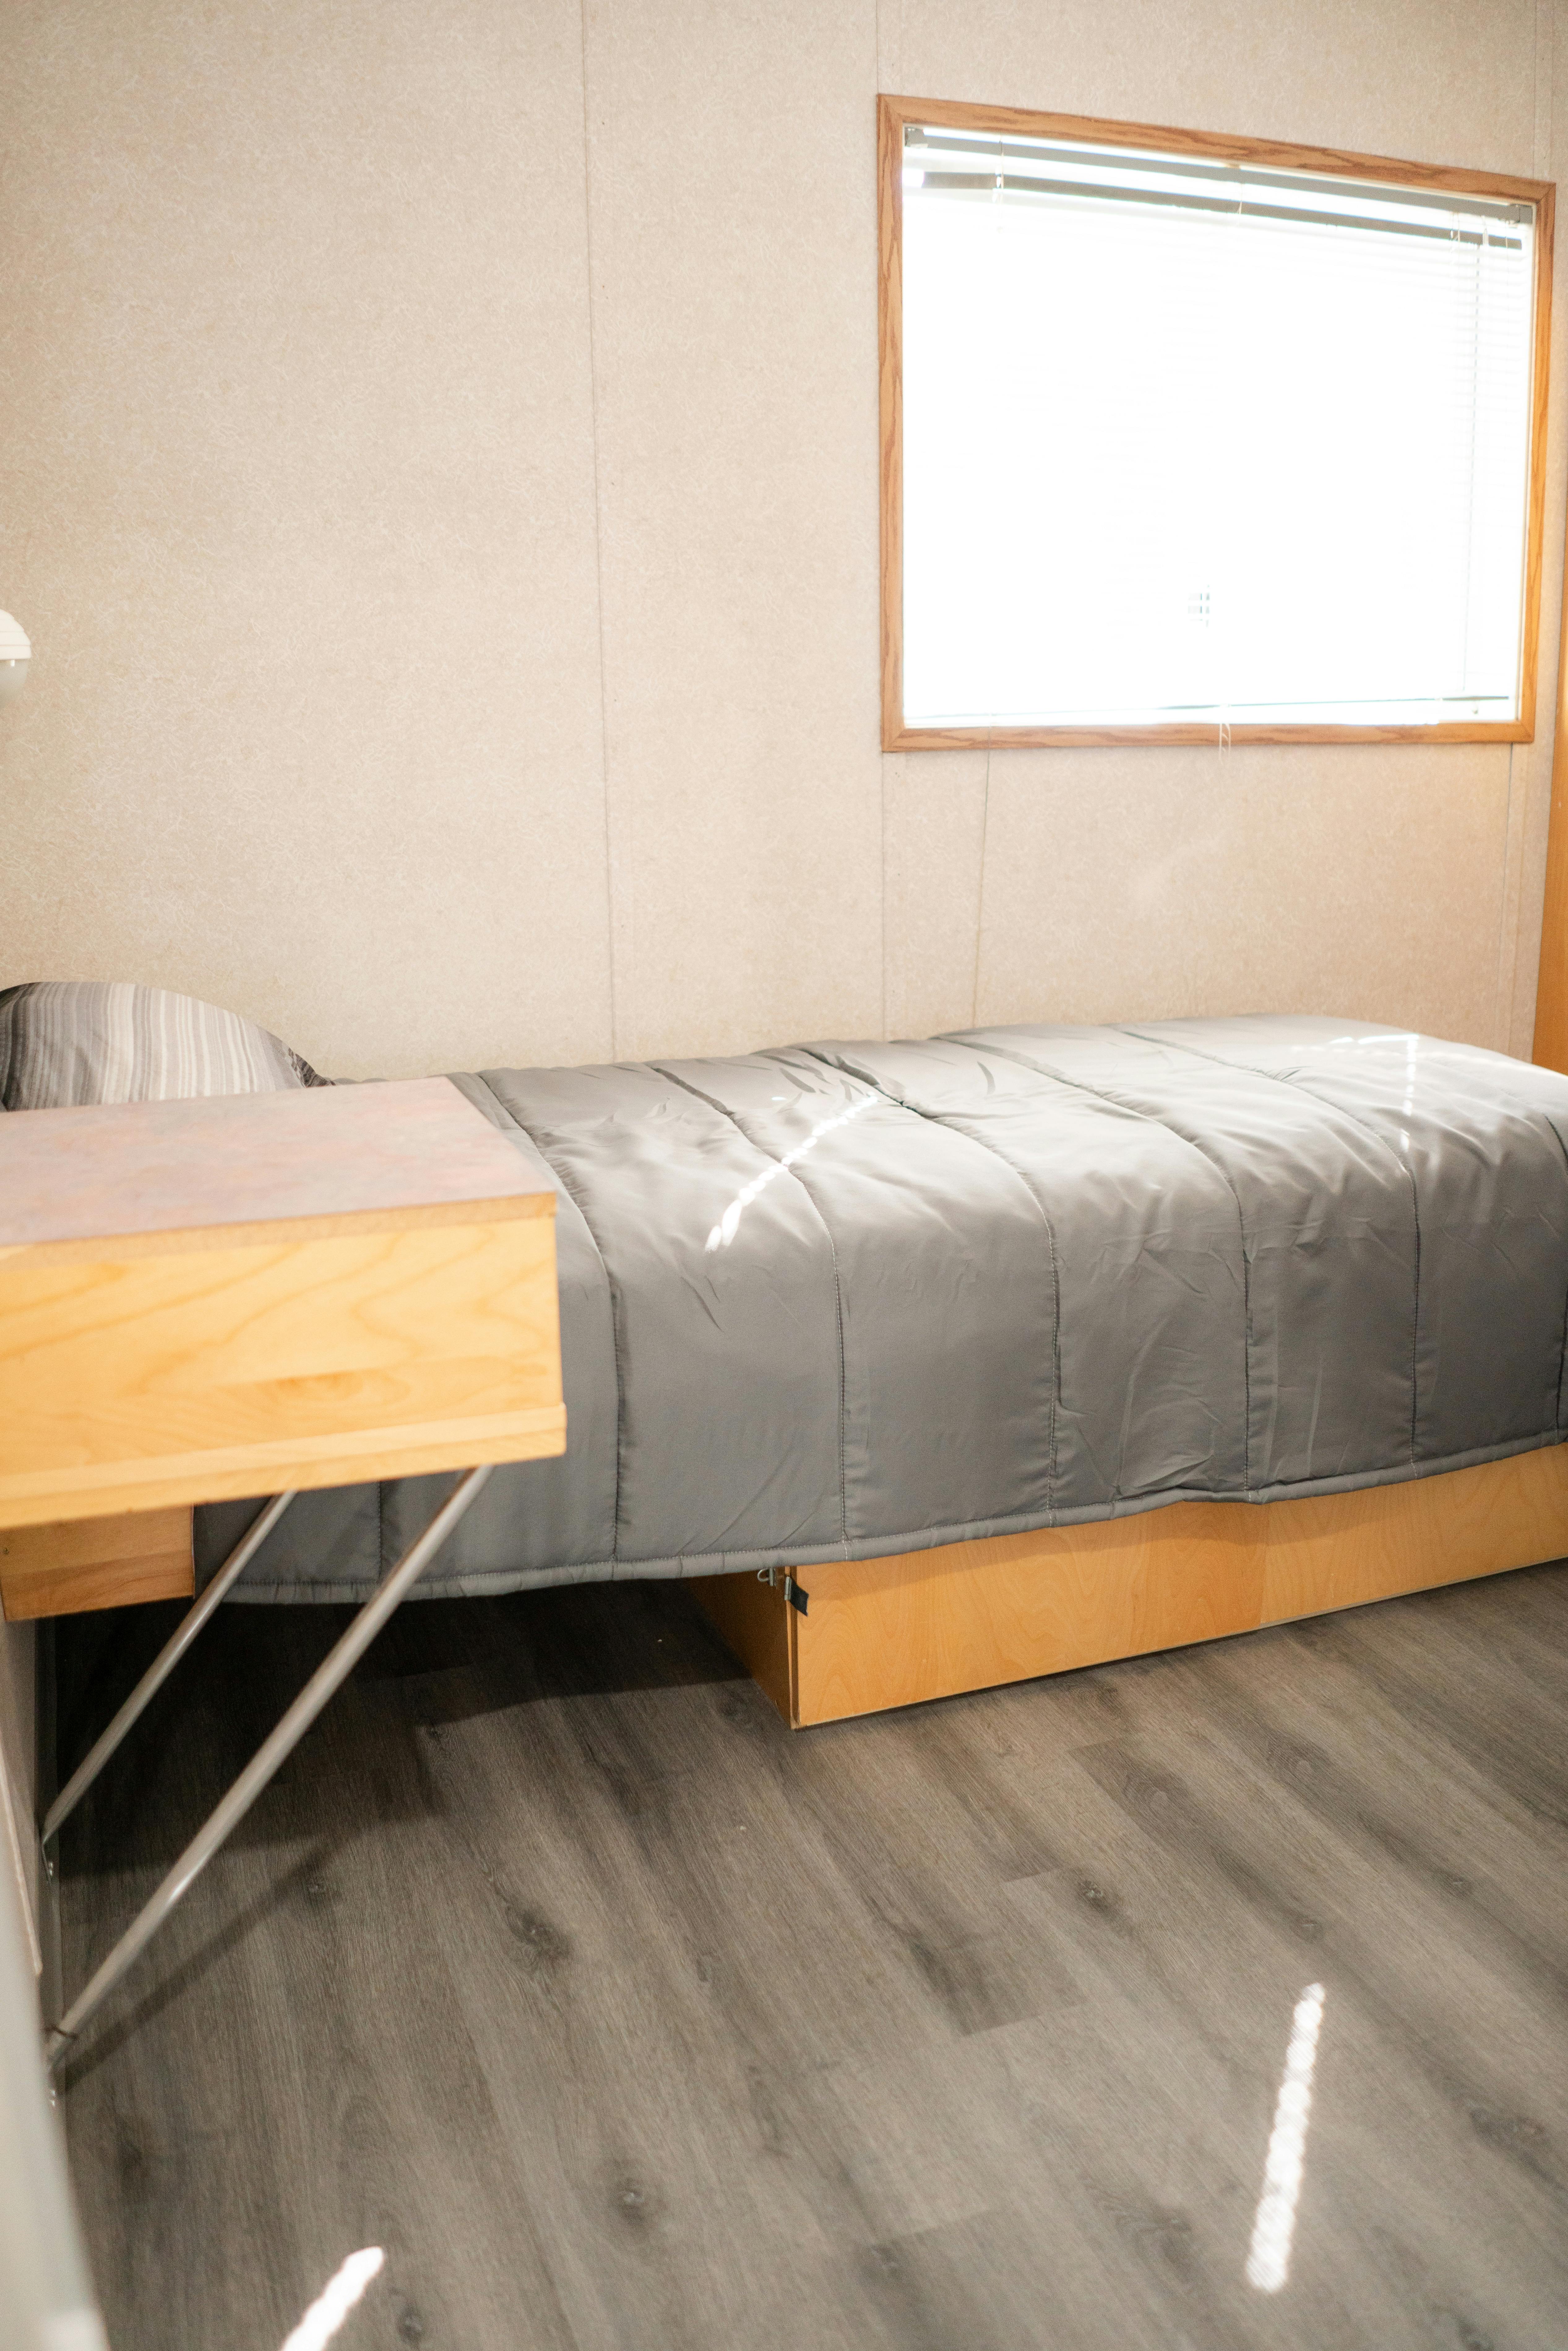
842	1300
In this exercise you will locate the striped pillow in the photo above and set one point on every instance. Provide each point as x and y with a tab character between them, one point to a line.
68	1041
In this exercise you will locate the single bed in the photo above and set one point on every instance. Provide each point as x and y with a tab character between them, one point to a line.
977	1344
939	1365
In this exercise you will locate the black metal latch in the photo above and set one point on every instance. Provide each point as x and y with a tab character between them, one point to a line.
795	1594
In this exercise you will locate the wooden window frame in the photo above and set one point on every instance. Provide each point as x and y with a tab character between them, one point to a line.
892	114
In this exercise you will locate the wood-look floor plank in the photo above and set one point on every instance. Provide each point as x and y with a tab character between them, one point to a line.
624	2019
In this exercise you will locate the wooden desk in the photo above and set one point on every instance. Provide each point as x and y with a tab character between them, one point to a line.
246	1296
202	1299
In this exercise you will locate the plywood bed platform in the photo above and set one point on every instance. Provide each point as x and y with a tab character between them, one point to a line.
963	1616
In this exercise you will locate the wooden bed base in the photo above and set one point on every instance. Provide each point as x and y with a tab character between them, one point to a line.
891	1632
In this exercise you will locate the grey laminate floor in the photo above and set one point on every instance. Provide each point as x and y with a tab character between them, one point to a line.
619	2016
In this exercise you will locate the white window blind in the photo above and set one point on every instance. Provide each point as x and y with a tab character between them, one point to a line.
1185	441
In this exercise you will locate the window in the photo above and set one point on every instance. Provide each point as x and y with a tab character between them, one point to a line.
1185	433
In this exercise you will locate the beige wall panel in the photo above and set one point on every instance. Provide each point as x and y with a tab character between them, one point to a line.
1528	814
732	158
296	479
934	806
1246	881
301	503
1418	77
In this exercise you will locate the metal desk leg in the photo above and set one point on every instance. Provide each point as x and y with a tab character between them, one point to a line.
333	1670
158	1671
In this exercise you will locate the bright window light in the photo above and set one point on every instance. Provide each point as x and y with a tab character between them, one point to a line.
1189	442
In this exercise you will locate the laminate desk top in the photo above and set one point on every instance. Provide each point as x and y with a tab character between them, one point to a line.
411	1150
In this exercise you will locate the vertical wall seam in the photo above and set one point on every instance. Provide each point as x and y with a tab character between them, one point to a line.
1502	1016
610	924
980	892
881	763
885	75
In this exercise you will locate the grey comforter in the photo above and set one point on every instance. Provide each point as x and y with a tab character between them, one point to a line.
844	1300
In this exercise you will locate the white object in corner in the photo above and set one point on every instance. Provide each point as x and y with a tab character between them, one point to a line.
17	1744
15	654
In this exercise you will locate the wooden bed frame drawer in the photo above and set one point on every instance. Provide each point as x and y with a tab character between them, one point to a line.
881	1632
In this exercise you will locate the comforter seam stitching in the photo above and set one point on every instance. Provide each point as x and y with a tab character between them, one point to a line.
1096	1094
1216	1062
697	1094
674	1567
914	1110
610	1283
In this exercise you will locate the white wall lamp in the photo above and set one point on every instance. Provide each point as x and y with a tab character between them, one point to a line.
15	654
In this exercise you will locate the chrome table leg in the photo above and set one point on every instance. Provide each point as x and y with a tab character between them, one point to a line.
333	1670
162	1666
